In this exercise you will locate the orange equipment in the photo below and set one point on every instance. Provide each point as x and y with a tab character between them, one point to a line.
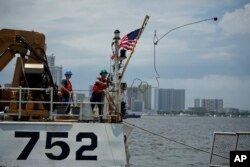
31	70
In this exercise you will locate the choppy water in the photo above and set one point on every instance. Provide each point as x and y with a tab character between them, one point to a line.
147	150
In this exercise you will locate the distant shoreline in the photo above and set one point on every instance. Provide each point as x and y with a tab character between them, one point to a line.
195	115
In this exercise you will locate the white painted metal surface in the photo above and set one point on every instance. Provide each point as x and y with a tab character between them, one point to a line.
61	144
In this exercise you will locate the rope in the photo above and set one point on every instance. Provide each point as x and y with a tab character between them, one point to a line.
111	100
156	41
172	140
70	99
157	77
143	86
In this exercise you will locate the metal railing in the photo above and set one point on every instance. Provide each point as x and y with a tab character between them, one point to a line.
223	143
52	112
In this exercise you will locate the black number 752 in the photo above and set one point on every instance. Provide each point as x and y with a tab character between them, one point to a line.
34	136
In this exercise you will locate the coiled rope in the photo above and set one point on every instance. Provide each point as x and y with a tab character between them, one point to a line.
172	140
143	86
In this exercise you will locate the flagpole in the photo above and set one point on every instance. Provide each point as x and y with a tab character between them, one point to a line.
137	38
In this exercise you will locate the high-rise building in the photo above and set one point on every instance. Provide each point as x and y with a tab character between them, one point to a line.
133	93
147	96
142	93
56	71
57	74
138	106
212	104
170	99
156	99
197	103
51	60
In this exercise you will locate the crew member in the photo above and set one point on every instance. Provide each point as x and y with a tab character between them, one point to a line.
98	94
66	90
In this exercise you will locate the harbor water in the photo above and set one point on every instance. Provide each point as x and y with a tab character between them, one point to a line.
149	150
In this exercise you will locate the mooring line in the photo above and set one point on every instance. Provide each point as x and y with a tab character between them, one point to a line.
181	143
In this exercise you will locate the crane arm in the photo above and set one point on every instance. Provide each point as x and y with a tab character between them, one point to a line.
29	44
5	58
10	45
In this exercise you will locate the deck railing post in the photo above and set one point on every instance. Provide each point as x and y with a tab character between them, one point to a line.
212	150
81	108
20	103
237	140
51	103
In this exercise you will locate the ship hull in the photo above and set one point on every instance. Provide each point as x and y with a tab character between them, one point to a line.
61	144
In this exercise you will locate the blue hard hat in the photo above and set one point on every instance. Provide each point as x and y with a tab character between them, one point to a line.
68	72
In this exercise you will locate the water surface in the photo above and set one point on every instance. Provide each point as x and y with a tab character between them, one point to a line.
148	150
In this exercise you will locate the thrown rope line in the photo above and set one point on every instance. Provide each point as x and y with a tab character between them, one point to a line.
156	41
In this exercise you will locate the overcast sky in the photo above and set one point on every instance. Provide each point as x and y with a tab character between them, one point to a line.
208	60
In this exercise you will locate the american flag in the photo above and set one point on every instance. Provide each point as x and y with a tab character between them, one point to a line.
128	42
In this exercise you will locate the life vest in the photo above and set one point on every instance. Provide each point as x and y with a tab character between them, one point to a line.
98	88
67	85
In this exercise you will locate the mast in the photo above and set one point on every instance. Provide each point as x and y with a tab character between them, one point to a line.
116	72
118	58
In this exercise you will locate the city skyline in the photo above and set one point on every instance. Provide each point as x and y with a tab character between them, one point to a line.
141	98
174	100
208	60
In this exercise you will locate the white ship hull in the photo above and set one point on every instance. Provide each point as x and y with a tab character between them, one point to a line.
61	144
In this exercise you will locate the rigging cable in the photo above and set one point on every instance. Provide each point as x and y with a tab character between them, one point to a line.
172	140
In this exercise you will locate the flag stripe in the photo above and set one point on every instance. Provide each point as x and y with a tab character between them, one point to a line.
128	42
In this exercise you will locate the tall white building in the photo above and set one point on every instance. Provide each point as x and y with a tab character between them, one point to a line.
51	60
170	99
56	71
212	104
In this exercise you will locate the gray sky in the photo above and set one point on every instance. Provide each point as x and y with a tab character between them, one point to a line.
208	60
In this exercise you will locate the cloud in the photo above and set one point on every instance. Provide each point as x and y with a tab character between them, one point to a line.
237	22
80	32
220	53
